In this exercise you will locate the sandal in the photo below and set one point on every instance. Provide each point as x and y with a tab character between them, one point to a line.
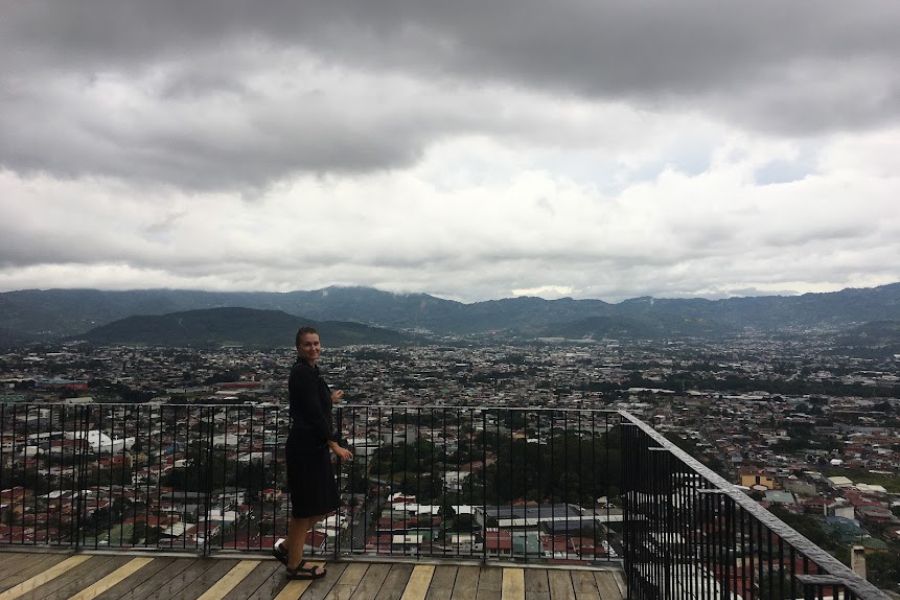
301	572
280	552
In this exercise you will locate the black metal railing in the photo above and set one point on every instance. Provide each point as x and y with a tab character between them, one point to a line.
455	482
691	534
483	483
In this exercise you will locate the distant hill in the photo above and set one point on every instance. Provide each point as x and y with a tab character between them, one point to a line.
53	314
876	333
644	327
243	326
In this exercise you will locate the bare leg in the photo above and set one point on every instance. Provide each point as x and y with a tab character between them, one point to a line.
296	539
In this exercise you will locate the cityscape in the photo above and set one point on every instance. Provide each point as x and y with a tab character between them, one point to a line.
447	439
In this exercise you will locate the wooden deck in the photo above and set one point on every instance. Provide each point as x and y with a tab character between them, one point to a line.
32	576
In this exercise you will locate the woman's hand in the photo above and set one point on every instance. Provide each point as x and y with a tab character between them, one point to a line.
336	396
341	452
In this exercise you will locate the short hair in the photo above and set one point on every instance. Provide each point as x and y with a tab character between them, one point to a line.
303	331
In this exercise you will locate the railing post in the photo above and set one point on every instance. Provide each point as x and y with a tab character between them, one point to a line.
662	473
337	538
207	480
484	486
627	543
83	420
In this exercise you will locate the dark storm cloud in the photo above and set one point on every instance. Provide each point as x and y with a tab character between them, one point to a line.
795	68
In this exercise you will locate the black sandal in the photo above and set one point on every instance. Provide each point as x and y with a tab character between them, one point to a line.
301	572
280	552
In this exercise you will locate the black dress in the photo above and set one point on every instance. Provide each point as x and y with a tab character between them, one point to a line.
310	474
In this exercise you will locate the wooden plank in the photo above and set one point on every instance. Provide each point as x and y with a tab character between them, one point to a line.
372	581
490	583
466	585
31	568
293	589
46	576
317	591
606	584
561	585
108	582
396	581
150	586
585	585
346	585
254	580
168	583
77	579
537	585
619	577
231	579
536	581
12	562
132	583
418	583
513	584
442	581
212	572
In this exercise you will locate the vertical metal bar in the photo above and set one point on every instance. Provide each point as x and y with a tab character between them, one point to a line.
146	494
580	493
250	464
82	449
539	455
733	546
553	472
24	470
337	537
379	491
484	482
354	468
696	535
769	560
444	460
459	447
793	559
525	417
746	567
159	473
49	446
780	567
122	469
223	497
706	572
677	532
759	561
391	475
820	589
498	446
3	431
207	479
565	479
511	476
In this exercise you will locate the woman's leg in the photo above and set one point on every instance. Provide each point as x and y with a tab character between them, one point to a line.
296	539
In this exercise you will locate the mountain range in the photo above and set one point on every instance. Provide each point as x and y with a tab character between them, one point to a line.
28	315
240	326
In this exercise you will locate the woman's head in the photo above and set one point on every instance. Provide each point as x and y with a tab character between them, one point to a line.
308	345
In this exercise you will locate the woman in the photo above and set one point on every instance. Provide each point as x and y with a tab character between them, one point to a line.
310	476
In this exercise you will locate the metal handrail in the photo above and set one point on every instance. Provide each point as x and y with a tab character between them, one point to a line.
837	571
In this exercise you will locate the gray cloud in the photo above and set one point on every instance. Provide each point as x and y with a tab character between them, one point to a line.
196	95
468	149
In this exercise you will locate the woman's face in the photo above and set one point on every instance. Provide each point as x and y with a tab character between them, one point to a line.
310	348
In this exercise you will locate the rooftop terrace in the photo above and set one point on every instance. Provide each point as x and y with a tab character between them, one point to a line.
114	576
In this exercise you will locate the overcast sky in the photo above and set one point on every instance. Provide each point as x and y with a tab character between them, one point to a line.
467	149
